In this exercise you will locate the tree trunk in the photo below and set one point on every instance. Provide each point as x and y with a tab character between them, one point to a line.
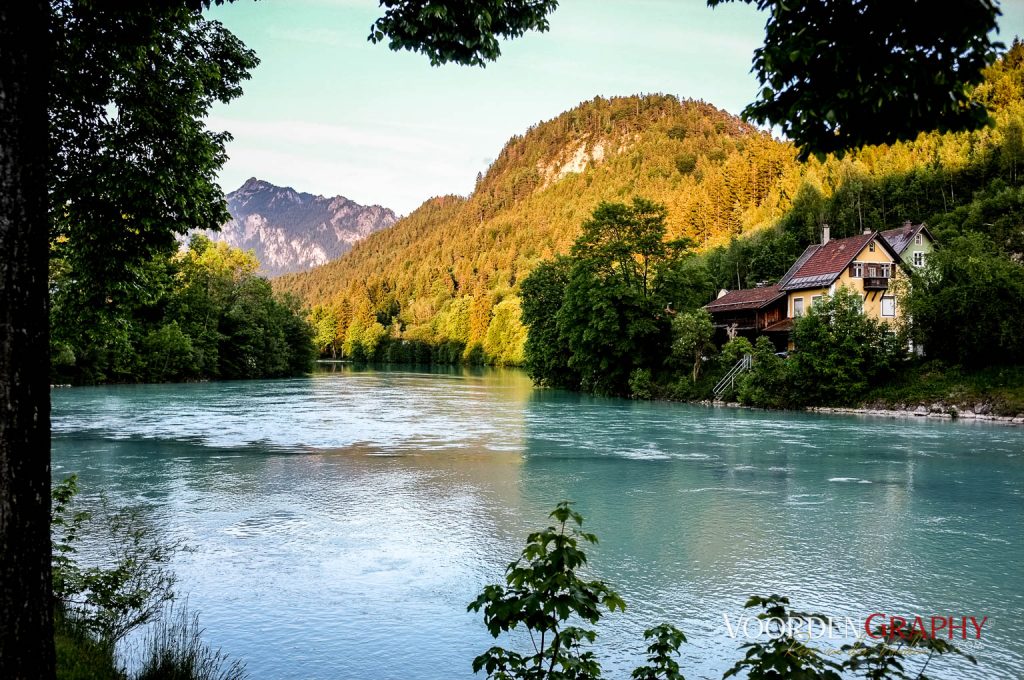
26	607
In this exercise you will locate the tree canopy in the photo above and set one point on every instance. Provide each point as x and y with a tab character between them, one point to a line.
837	75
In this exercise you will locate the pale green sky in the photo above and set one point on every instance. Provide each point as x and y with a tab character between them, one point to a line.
329	113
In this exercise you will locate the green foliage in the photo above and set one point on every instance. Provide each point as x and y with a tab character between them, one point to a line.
640	384
691	339
612	319
841	75
202	313
506	337
126	586
465	32
132	161
840	352
998	388
665	641
734	350
768	383
886	660
542	592
543	293
80	656
966	304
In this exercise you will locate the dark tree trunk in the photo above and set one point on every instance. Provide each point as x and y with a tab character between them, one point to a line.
26	608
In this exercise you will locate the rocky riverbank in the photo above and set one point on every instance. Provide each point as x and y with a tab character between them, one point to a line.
981	412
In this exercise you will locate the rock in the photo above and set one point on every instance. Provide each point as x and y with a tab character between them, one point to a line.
968	414
937	407
921	410
982	408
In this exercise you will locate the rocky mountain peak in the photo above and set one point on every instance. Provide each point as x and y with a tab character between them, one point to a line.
293	231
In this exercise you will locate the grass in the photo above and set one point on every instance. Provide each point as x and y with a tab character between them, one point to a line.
173	650
79	655
1000	388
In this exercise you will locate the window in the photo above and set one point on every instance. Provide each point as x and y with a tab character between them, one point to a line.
919	259
815	299
871	247
886	270
919	239
858	270
798	306
888	305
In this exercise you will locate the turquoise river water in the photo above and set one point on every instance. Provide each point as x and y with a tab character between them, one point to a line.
342	522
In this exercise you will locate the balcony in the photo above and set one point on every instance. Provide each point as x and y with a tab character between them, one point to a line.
876	282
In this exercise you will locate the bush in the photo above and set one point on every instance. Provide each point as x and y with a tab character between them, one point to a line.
840	353
640	384
768	383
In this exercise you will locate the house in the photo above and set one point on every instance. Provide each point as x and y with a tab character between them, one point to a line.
746	312
912	242
866	264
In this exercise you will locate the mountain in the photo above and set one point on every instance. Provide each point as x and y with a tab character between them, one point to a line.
439	272
292	231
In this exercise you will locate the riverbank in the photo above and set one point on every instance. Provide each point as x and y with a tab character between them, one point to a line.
934	412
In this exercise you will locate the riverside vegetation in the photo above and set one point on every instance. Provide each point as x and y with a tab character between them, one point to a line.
194	314
128	586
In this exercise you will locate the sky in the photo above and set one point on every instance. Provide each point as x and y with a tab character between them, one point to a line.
329	113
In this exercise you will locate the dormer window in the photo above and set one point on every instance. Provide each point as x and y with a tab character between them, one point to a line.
871	247
919	239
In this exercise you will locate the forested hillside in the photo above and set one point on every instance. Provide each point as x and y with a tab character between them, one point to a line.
447	276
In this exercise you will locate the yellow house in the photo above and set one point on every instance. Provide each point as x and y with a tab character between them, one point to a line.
865	264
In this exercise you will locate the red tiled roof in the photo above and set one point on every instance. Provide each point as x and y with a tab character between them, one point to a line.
834	256
749	298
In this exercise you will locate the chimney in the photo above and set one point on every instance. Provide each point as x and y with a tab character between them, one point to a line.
825	235
866	230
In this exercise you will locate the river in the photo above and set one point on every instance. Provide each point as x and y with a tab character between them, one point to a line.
342	522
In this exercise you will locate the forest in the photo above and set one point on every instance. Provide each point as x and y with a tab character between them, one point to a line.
198	313
445	283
